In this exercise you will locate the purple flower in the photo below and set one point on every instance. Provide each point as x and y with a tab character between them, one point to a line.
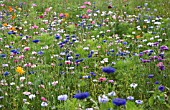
162	48
156	82
108	70
161	88
119	101
162	67
81	96
150	76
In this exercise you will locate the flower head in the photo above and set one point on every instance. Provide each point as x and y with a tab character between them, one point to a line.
35	41
139	101
103	99
81	96
44	104
20	70
119	101
62	97
108	70
133	85
130	98
6	73
161	88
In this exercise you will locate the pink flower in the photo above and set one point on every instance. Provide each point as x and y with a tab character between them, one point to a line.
52	64
99	47
34	27
42	86
34	5
26	48
21	57
111	81
68	62
88	10
29	83
108	31
54	83
43	99
102	79
2	4
114	16
92	22
61	15
27	65
44	14
15	61
26	93
87	3
83	6
48	9
160	64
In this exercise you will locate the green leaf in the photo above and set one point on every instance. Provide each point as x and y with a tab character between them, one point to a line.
131	106
167	105
151	100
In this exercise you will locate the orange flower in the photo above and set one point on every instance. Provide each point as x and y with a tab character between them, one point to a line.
138	36
66	15
13	17
12	28
5	24
10	9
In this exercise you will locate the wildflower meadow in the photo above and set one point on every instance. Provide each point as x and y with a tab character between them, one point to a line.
84	55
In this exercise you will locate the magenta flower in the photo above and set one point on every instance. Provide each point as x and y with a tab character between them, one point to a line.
34	5
89	10
102	79
43	99
82	7
87	3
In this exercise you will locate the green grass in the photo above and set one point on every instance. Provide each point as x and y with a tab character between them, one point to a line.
129	68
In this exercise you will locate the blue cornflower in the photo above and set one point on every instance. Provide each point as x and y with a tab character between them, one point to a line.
125	43
161	88
3	55
14	51
81	96
10	32
57	37
119	101
40	52
108	70
90	55
35	41
6	73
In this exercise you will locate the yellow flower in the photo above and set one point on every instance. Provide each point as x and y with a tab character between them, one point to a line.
20	70
144	26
